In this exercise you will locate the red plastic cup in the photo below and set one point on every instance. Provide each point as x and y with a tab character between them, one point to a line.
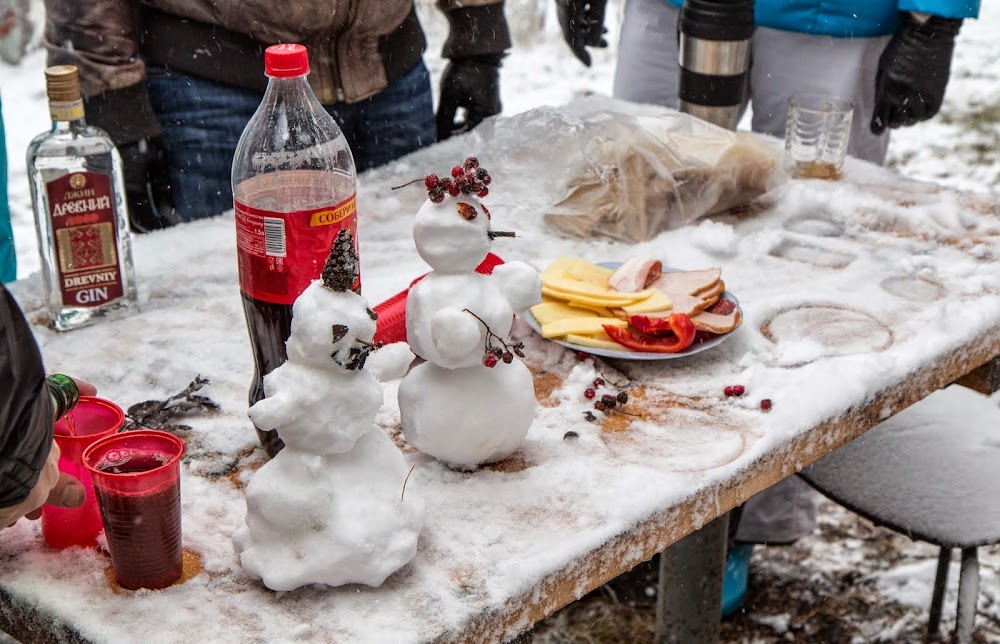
137	480
91	419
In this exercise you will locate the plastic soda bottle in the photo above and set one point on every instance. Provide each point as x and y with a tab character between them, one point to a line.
294	190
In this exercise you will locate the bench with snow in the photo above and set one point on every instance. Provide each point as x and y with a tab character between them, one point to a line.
932	472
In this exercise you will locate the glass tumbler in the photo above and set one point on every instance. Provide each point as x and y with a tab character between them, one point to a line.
817	131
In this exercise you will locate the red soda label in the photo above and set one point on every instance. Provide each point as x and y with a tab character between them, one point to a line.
281	253
82	216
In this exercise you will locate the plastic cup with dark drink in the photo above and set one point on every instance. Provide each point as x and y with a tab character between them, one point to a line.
90	420
137	481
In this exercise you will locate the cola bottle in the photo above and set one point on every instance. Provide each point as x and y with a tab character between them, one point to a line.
294	186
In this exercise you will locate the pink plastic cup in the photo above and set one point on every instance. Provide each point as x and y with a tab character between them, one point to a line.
91	419
137	480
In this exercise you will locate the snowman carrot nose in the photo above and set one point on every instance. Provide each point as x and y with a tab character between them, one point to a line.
493	234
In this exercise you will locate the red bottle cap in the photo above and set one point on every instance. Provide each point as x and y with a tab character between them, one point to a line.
286	61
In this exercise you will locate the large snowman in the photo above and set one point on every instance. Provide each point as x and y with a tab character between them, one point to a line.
473	400
332	507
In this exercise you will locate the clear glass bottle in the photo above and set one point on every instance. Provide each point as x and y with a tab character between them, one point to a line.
81	217
294	187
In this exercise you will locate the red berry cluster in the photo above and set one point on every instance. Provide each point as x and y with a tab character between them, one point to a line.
607	402
493	354
734	390
467	179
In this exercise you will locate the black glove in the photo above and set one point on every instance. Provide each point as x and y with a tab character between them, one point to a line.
147	185
582	23
913	72
472	84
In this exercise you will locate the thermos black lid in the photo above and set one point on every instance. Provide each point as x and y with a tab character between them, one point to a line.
717	19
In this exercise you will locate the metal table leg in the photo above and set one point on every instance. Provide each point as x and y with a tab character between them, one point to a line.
689	601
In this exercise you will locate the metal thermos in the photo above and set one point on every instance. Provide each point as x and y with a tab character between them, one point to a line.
714	53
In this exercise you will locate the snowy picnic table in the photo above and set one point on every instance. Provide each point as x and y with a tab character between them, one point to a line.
860	297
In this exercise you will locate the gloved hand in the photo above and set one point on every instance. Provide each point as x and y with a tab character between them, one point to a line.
582	23
147	185
913	72
471	83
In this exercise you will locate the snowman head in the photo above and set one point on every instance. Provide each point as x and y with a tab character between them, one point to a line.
452	230
453	236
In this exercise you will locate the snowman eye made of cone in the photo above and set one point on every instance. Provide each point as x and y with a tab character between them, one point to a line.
467	211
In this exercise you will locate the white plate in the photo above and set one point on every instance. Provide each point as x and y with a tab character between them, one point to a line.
641	355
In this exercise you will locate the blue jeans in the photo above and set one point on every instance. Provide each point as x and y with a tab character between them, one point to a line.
8	263
202	122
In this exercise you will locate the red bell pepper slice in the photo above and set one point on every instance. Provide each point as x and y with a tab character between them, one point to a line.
679	323
651	326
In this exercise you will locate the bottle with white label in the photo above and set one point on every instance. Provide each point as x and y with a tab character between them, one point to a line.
78	195
294	186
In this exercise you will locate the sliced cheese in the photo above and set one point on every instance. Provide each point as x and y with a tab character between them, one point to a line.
578	269
591	273
658	301
602	311
598	341
587	301
576	287
547	312
579	326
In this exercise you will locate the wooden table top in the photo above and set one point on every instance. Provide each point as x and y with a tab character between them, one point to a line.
861	297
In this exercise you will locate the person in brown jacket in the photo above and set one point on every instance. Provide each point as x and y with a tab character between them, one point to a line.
174	82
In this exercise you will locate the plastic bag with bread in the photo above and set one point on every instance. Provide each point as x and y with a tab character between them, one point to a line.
641	173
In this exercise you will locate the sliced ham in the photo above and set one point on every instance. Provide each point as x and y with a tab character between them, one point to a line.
635	275
688	282
717	323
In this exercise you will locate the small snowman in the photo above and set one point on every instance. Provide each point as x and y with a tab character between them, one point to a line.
473	400
332	507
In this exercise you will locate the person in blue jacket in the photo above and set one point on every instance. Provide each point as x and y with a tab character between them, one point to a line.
8	262
890	57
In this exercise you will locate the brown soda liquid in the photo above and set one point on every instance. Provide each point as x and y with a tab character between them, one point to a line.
268	326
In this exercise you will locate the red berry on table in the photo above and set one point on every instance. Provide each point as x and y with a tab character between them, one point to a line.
622	397
490	360
600	406
482	174
487	180
482	193
471	163
457	171
739	390
609	400
431	181
436	196
453	190
507	357
766	404
589	393
728	391
598	382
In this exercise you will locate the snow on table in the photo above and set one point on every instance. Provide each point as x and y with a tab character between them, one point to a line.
860	297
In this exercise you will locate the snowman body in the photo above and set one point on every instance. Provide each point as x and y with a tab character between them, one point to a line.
454	407
330	507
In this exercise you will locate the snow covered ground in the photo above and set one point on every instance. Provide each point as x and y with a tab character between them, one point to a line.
857	582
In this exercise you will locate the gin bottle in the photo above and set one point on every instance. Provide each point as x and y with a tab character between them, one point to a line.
78	195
